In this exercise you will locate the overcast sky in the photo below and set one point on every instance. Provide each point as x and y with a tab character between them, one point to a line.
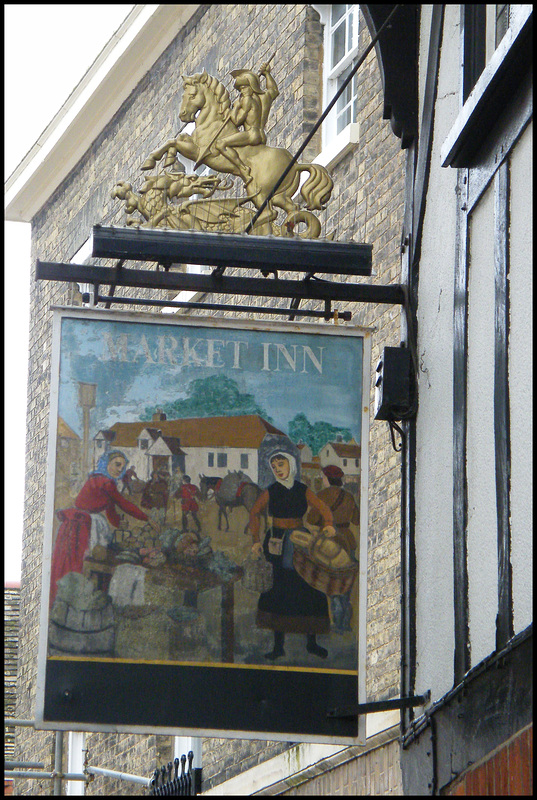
47	50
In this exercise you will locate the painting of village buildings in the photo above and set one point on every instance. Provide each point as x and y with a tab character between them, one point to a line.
206	494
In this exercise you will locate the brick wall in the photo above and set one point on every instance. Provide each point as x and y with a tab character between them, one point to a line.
11	647
506	771
375	773
367	206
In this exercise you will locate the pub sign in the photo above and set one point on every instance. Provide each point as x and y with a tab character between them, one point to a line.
206	527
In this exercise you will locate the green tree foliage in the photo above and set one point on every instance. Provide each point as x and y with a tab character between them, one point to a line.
316	435
215	396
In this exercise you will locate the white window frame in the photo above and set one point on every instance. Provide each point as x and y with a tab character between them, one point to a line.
335	145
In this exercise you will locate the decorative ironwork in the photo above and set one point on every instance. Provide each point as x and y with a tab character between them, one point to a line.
230	139
185	784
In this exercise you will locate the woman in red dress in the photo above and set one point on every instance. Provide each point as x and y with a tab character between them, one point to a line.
93	519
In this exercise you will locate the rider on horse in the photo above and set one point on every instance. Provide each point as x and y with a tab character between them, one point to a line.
251	112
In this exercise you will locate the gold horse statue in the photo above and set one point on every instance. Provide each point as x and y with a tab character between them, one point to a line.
218	142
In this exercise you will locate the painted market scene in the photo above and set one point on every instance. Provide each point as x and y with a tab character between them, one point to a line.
171	539
277	516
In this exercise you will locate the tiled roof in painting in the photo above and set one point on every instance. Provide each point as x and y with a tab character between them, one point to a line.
236	431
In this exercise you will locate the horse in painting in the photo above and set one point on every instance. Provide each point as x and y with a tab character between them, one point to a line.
236	489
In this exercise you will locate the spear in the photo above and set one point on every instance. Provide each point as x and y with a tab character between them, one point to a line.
219	131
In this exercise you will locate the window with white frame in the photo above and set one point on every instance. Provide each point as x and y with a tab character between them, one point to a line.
340	129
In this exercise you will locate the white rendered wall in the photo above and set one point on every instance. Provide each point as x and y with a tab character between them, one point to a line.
196	462
520	376
482	534
434	460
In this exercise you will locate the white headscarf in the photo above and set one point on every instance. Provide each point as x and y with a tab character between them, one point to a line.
289	481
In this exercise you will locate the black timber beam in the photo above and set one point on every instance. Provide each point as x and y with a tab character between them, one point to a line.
266	253
500	90
397	52
307	289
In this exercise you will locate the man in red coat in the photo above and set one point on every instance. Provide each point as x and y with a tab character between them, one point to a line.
189	494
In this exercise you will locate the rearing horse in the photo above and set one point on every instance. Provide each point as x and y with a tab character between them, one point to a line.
206	102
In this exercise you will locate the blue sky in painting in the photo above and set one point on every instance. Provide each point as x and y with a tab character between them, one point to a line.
135	365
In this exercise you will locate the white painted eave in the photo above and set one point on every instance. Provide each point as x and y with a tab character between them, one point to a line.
123	62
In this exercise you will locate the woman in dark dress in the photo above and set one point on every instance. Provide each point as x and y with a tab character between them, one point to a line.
291	605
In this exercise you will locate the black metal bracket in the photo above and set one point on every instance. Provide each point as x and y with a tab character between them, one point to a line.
354	711
395	427
266	253
119	265
210	284
134	301
221	250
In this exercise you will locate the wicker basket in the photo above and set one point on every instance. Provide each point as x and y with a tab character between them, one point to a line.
257	575
329	580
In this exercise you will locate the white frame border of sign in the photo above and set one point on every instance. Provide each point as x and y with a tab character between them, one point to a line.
219	323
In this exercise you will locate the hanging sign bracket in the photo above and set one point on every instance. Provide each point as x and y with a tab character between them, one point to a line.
380	705
245	252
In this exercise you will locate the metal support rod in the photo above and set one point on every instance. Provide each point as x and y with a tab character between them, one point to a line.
122	776
113	286
379	705
24	765
10	722
78	776
67	776
345	315
58	758
392	293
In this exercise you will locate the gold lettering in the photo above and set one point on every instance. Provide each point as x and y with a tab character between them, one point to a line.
116	349
281	348
211	353
266	367
317	362
167	352
143	349
190	357
237	353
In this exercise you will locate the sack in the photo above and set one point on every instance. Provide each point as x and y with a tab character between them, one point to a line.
257	576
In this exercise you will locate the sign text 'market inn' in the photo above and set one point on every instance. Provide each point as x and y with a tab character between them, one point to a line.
188	351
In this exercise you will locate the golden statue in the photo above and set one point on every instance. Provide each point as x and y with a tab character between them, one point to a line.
229	139
251	112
